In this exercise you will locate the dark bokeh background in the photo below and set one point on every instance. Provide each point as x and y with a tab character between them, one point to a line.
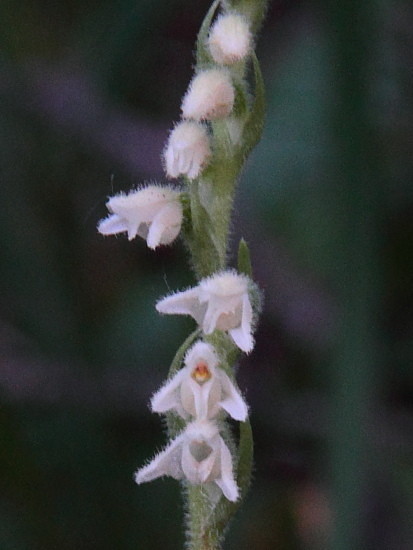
88	92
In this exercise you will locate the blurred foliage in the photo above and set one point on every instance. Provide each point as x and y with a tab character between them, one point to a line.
88	91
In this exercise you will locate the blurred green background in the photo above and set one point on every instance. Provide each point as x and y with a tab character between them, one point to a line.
88	92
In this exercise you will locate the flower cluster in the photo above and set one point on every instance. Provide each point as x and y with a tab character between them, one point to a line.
202	393
152	212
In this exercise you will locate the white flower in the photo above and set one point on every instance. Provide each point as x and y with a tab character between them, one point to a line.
211	95
199	455
187	150
200	389
153	212
220	302
230	39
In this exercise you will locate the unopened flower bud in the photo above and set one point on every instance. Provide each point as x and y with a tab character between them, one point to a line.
210	96
187	150
230	39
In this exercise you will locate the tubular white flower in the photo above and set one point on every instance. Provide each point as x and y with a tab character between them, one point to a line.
200	389
199	455
187	150
153	212
220	302
211	95
230	39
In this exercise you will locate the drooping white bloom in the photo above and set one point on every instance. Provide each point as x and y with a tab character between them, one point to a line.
200	389
187	150
210	95
218	302
153	212
230	39
199	455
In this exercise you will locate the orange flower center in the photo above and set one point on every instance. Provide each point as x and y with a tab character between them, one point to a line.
201	372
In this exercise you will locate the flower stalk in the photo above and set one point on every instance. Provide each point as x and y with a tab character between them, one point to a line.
222	120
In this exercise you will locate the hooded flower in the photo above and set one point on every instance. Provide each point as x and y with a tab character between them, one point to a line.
153	212
187	150
220	302
200	389
199	455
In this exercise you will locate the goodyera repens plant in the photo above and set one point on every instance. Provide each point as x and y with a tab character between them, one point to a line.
222	118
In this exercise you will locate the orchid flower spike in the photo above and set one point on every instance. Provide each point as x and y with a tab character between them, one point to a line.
187	150
199	455
219	302
153	212
200	389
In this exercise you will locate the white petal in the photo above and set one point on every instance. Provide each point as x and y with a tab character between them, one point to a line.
190	395
210	318
226	481
196	471
182	303
167	397
201	351
166	463
166	225
133	228
233	402
111	225
242	335
171	162
212	393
